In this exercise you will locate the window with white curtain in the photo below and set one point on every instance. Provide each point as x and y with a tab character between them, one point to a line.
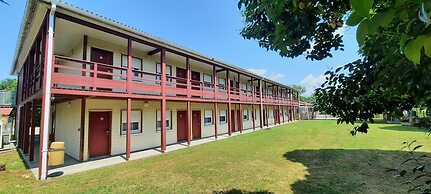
208	118
245	115
159	71
222	116
136	65
208	80
135	118
168	120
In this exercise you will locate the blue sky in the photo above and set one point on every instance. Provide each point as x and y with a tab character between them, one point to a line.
210	27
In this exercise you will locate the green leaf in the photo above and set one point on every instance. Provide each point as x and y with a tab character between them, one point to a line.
354	19
427	45
403	42
362	31
362	7
412	50
387	18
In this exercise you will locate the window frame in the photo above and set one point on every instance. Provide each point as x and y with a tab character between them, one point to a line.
206	83
158	129
222	115
133	68
141	123
169	73
247	115
212	117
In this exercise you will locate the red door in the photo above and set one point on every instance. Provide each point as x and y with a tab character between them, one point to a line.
181	126
196	77
239	120
181	73
196	124
232	120
106	58
99	134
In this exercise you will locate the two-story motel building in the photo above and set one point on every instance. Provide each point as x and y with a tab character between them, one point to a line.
106	89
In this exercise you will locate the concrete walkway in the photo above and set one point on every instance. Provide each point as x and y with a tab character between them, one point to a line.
73	166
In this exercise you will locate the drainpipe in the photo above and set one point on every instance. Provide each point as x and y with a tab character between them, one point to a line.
43	168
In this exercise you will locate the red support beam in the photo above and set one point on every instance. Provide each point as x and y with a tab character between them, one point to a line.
240	119
188	77
282	113
128	134
215	119
33	129
279	115
253	115
129	66
229	127
27	127
163	101
215	82
189	113
267	116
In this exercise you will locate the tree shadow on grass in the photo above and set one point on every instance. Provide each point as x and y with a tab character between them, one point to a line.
238	191
347	171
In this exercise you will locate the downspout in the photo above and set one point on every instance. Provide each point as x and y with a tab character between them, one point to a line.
47	93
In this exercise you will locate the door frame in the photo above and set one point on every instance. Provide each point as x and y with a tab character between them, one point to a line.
180	110
110	130
200	124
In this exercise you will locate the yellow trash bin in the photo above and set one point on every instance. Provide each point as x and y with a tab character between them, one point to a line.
56	154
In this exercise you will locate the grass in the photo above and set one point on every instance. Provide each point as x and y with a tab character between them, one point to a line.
302	157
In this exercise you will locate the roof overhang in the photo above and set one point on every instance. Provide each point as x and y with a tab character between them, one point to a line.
31	23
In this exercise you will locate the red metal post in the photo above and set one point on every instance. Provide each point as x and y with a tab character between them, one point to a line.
229	127
188	78
189	113
163	101
253	116
128	136
267	116
278	112
240	117
282	112
27	127
215	119
215	82
33	129
261	104
239	90
129	66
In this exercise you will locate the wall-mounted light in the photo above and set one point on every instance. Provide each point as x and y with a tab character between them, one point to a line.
69	104
146	104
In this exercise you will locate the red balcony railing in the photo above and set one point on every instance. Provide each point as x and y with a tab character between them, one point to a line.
76	74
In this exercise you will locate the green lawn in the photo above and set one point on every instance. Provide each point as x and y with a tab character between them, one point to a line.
302	157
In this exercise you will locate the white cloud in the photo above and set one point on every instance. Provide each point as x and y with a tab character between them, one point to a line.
311	82
341	30
260	72
270	75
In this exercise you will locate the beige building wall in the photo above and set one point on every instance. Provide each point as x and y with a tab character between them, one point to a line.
67	126
68	115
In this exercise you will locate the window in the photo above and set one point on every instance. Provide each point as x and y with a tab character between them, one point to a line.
208	80
221	83
208	119
168	120
222	116
168	71
136	65
136	122
245	115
